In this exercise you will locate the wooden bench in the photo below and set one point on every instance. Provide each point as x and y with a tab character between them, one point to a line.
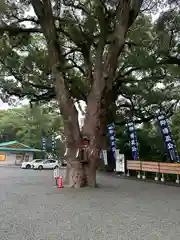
134	165
154	167
169	168
150	167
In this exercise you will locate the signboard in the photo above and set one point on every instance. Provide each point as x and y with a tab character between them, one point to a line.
56	172
103	156
81	122
169	142
120	162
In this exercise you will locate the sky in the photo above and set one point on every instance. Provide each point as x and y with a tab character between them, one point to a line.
3	105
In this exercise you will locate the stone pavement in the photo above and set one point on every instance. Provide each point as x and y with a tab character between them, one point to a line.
32	209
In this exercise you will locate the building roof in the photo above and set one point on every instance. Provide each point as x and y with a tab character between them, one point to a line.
15	146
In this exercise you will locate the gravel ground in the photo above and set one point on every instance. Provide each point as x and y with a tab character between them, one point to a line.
31	208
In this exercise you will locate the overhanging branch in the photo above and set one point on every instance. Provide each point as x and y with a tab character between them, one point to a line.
18	30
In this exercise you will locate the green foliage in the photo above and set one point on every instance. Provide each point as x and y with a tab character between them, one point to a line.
28	125
148	71
148	68
150	141
175	125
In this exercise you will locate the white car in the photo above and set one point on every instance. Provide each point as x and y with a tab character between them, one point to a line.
47	164
29	164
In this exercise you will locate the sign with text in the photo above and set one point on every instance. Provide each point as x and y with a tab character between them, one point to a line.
167	136
133	139
103	156
53	143
56	172
44	143
120	162
111	131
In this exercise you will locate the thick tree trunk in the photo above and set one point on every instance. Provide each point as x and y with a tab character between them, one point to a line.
83	173
79	174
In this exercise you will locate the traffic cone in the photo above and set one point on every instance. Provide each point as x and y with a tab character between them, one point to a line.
60	185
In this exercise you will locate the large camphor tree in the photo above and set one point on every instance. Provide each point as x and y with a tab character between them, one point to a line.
81	43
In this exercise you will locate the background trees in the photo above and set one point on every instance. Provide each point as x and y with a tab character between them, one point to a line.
29	125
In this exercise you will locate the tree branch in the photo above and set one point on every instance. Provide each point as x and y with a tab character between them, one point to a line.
18	30
75	66
170	60
125	16
102	39
43	10
78	6
169	112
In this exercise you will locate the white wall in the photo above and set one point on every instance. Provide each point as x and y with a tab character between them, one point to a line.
28	156
11	158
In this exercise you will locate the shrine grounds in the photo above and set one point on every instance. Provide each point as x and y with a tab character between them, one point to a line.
31	208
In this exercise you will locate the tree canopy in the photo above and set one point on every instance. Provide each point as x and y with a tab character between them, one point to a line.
148	70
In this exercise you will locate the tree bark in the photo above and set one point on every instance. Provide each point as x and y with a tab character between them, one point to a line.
80	173
83	173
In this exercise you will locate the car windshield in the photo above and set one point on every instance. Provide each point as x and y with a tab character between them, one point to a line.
49	161
39	160
46	161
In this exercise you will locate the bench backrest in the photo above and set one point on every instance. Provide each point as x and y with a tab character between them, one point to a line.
173	168
150	166
133	165
157	167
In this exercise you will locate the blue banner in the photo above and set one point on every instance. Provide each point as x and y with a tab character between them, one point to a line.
133	137
53	143
167	136
111	131
44	143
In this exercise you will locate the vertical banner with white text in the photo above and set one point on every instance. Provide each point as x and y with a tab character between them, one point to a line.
53	143
44	143
111	131
133	138
167	136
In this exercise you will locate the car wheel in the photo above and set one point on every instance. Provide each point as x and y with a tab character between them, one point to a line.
40	167
28	166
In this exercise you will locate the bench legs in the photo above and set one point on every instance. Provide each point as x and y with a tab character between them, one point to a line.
177	179
156	177
144	176
162	177
139	175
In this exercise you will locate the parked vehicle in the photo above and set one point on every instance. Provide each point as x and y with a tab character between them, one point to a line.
28	164
47	164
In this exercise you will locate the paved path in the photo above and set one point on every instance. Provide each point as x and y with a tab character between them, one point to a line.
32	209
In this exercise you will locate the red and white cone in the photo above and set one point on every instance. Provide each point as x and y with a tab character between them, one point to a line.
60	184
